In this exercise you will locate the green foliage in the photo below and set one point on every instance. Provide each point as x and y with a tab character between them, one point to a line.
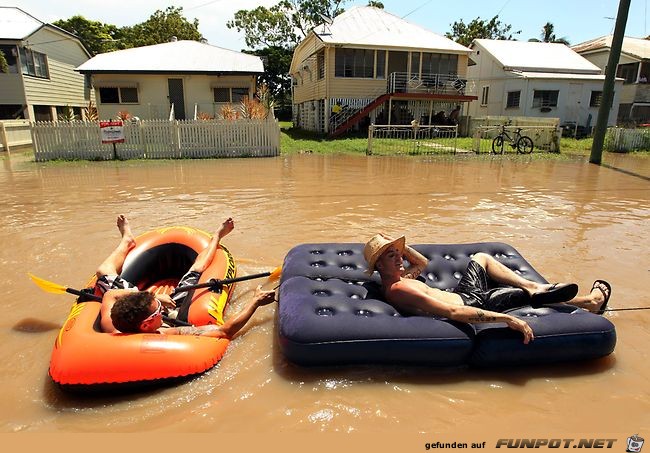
277	61
480	29
284	24
67	114
4	66
548	34
379	5
96	36
160	28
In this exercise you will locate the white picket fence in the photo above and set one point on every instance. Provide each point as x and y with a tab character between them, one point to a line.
158	139
622	140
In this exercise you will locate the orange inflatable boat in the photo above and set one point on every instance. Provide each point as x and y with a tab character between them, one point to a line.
84	358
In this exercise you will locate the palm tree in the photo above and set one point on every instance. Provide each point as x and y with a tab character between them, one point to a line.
548	35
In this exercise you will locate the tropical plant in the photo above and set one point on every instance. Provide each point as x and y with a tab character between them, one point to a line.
203	116
123	115
90	112
548	35
228	112
67	114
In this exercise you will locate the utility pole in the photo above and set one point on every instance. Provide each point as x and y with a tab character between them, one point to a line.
608	87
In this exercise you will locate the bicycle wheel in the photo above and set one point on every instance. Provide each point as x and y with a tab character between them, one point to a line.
497	145
525	145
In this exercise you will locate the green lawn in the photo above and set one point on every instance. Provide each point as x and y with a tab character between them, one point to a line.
299	141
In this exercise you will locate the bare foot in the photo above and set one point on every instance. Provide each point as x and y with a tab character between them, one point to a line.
125	230
226	227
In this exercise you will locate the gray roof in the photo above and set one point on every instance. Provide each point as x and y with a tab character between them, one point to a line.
16	24
635	47
537	56
370	26
174	57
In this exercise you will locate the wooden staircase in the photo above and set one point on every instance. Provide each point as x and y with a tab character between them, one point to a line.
361	114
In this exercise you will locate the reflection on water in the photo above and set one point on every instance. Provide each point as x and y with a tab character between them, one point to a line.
572	220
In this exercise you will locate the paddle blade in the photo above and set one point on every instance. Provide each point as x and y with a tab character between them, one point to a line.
46	286
275	273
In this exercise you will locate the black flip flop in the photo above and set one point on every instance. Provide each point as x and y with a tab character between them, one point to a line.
602	308
558	292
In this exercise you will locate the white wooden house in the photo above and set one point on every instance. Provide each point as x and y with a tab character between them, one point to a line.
633	67
536	79
178	79
40	82
367	65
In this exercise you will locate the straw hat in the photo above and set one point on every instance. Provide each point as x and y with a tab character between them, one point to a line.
377	245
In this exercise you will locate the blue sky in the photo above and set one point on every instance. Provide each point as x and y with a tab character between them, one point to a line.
575	20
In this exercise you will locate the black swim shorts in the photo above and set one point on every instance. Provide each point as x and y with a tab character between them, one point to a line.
474	288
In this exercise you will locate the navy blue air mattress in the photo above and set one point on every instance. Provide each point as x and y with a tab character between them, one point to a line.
330	312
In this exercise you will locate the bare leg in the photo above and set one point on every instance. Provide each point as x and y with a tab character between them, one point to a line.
113	264
206	256
502	274
591	301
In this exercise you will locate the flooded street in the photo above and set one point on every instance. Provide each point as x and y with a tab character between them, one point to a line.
571	220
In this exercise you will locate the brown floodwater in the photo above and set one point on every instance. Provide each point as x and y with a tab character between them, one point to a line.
572	220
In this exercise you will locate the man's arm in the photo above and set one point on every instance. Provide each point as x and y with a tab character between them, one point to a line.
414	300
417	262
230	327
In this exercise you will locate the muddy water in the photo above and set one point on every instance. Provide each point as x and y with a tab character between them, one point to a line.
572	220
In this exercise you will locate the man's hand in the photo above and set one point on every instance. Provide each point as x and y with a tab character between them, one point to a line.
166	301
263	297
521	326
226	227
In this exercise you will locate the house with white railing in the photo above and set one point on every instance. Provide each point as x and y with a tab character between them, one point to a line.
633	67
369	66
38	81
175	80
537	79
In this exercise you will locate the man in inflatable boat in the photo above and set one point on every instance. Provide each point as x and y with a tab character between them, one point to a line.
471	301
125	309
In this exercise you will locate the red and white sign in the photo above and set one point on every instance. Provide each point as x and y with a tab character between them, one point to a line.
111	131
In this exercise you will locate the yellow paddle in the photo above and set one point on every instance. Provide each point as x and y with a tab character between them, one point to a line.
54	288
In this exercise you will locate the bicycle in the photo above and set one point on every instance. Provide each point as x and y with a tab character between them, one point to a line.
522	143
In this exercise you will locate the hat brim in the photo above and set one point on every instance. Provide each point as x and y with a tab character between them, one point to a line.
400	243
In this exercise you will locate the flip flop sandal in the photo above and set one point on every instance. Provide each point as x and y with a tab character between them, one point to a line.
558	292
607	295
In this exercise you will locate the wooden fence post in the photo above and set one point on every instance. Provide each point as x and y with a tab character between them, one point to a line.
3	138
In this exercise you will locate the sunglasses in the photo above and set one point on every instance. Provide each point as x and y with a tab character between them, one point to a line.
156	312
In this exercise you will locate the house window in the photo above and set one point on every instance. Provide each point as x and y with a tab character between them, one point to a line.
628	72
118	95
435	63
354	63
381	64
596	98
485	95
229	94
513	99
10	53
545	98
34	63
415	64
320	64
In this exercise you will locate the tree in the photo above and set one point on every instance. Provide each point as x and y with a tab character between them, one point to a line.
4	66
160	28
284	24
96	36
379	5
480	29
548	35
277	61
